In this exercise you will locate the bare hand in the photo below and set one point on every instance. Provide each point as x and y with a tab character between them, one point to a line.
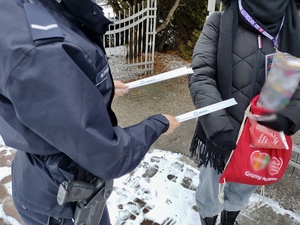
120	88
173	124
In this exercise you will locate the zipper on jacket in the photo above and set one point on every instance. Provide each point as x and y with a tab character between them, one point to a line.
256	65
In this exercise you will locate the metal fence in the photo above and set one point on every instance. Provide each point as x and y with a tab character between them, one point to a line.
130	41
211	6
295	159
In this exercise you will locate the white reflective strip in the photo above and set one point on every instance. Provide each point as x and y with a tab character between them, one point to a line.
160	77
206	110
100	82
39	27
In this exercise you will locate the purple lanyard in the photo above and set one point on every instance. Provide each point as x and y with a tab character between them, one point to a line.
258	27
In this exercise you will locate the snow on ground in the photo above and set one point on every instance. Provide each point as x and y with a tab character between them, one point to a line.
160	191
256	199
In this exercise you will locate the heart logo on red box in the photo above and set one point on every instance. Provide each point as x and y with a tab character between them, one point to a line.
259	160
275	165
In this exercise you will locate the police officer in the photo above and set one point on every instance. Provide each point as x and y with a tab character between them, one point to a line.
56	91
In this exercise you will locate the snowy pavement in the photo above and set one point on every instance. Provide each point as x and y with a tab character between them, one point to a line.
160	191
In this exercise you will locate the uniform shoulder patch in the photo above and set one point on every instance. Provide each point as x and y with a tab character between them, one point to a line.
41	23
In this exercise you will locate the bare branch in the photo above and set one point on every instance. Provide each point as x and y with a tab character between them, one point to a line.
115	5
169	17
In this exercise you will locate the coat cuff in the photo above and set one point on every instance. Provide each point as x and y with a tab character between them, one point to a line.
162	120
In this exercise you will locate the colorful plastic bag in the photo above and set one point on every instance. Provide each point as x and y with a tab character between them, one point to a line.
282	81
264	137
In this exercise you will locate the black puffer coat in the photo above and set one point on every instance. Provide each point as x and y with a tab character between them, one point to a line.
248	78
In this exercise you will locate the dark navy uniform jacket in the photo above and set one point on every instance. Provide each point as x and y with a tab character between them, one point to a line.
55	103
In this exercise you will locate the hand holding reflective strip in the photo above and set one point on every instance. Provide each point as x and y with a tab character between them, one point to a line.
120	88
206	110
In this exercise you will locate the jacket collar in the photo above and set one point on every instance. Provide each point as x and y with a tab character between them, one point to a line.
85	13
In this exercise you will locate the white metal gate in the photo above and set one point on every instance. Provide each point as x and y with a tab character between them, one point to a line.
211	6
130	41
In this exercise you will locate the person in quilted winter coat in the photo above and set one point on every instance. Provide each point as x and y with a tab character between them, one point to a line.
229	61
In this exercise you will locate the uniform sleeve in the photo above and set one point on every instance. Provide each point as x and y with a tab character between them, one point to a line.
56	100
202	83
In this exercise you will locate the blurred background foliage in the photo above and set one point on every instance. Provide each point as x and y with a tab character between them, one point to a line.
179	22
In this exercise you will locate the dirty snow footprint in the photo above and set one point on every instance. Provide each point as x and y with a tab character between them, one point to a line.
188	184
151	171
172	178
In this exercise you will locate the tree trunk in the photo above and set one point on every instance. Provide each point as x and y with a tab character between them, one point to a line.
162	42
169	17
133	44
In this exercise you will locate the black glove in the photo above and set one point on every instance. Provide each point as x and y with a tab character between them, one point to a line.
224	140
280	123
